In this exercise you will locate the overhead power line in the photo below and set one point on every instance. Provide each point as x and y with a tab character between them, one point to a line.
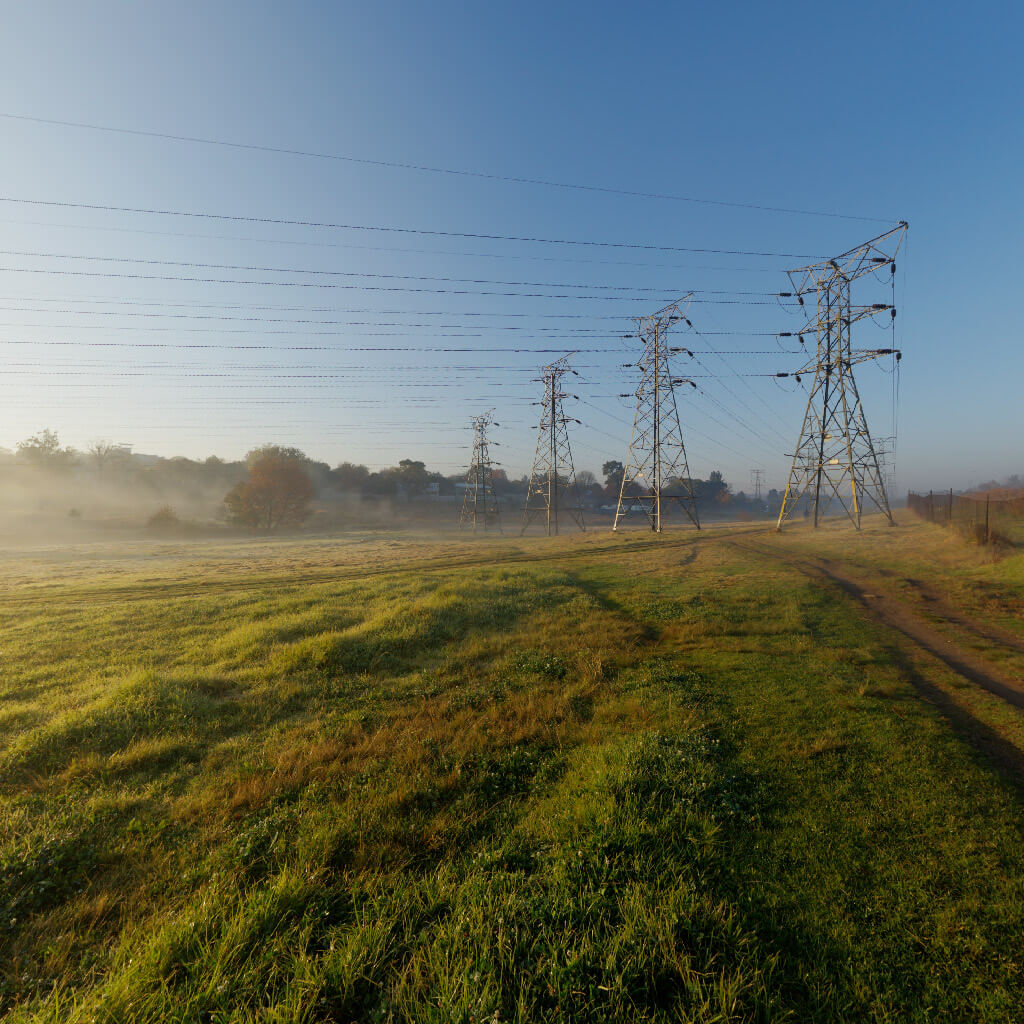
333	309
108	377
361	287
294	348
529	257
590	333
359	273
460	172
434	369
327	309
250	219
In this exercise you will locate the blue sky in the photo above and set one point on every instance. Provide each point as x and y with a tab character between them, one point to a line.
886	111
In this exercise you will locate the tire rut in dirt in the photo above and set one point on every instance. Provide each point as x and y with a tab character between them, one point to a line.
897	616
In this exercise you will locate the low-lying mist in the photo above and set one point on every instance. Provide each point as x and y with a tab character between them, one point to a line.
51	494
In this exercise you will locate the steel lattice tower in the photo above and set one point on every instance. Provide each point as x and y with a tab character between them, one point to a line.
553	489
756	475
656	463
480	506
835	458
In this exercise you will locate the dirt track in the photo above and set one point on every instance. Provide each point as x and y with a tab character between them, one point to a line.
898	615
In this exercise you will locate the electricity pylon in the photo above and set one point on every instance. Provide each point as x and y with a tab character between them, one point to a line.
656	465
755	478
480	505
835	458
553	489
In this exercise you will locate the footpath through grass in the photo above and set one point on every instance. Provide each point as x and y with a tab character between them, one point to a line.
592	780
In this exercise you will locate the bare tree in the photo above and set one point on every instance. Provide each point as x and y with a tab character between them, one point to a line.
107	454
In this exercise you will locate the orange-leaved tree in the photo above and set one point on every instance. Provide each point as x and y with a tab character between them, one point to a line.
277	493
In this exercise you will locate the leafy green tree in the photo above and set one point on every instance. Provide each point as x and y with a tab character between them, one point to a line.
413	476
276	450
612	472
349	477
713	489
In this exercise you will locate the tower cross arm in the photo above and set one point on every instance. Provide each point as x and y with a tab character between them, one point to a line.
863	259
865	354
673	313
807	369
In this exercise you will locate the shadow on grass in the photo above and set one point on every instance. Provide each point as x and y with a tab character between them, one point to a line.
988	746
648	634
146	706
397	643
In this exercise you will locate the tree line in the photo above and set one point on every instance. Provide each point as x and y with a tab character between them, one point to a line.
276	486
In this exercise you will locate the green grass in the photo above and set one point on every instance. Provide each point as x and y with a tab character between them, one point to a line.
572	780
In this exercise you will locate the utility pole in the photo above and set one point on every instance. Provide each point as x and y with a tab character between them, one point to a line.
656	464
480	506
835	458
553	479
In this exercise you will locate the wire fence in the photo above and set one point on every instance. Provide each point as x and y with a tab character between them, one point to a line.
985	518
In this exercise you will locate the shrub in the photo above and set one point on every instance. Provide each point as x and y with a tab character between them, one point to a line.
164	518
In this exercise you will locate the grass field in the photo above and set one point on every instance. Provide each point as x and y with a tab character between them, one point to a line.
401	778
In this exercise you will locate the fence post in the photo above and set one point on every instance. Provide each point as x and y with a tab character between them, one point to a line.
987	499
949	517
931	506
